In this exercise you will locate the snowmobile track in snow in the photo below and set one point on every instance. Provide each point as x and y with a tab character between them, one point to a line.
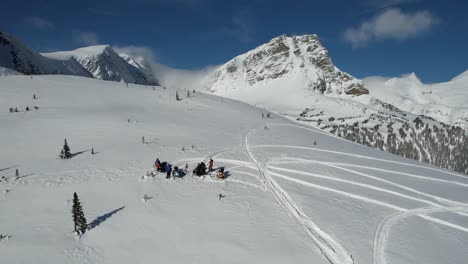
332	250
384	228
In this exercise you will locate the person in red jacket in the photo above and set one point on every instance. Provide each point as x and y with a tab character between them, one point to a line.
157	165
210	167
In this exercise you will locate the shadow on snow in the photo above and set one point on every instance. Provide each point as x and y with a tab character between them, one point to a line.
100	219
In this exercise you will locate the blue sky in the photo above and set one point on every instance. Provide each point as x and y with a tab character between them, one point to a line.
364	38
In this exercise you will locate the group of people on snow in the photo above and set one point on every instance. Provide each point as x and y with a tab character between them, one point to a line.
199	170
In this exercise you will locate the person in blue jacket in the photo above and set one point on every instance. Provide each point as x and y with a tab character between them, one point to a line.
168	170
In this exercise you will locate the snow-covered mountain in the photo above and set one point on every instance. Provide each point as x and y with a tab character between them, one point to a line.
285	200
296	64
15	55
103	63
100	62
295	77
445	102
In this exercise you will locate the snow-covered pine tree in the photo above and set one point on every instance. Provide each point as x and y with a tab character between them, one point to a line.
79	219
65	153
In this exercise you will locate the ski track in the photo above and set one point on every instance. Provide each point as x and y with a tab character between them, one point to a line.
369	200
384	228
332	250
333	165
362	156
368	186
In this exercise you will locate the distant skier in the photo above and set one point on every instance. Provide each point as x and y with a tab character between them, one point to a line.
186	168
168	170
210	167
315	142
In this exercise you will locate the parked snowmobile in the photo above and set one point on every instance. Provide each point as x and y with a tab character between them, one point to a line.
200	170
220	173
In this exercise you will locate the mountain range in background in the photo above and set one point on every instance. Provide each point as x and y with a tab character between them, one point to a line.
295	77
100	62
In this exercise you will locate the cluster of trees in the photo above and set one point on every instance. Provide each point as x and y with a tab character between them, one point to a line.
27	109
441	145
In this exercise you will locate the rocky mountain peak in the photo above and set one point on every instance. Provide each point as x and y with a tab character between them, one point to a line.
296	57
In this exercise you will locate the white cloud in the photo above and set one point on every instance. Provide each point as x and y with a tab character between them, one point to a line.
39	23
167	76
139	53
391	24
242	25
88	38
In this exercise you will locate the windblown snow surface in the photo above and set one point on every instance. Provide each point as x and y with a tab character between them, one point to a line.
286	200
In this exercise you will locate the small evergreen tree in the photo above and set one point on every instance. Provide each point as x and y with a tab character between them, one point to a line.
79	219
65	153
177	96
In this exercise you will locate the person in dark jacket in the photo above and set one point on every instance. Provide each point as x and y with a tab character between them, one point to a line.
210	167
168	170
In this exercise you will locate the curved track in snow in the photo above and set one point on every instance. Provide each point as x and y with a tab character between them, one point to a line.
332	250
383	230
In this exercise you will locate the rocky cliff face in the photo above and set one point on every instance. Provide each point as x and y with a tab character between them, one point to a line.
286	58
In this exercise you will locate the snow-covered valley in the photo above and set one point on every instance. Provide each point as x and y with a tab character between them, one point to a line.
293	193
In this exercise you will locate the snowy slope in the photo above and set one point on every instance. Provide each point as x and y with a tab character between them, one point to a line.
100	62
287	200
5	71
445	102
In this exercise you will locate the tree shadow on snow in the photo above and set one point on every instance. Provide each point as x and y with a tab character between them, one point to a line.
23	176
79	153
100	219
11	167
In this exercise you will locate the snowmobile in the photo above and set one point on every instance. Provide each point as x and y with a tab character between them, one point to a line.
220	173
200	170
